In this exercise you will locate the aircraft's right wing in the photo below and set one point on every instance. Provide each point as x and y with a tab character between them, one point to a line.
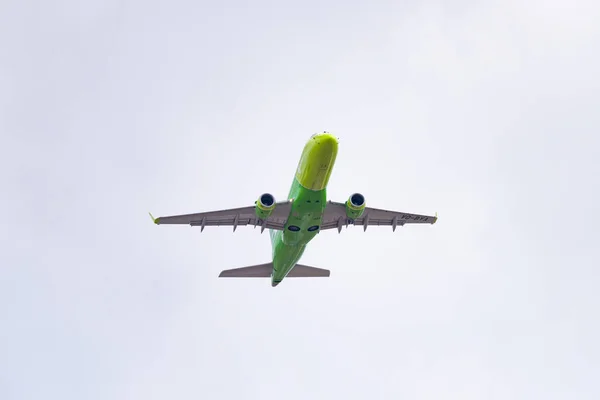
335	217
232	217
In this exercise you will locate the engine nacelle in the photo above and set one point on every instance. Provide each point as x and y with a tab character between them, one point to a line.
265	206
355	206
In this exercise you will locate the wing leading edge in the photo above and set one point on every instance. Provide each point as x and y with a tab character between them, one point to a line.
335	217
235	217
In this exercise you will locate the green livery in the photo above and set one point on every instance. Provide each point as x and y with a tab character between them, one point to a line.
292	224
309	198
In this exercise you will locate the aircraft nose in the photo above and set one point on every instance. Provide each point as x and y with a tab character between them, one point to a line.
327	141
316	162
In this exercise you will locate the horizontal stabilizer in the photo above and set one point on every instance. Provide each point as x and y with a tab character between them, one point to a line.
304	271
265	271
254	271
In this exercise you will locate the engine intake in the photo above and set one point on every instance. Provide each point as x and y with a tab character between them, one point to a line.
355	206
265	206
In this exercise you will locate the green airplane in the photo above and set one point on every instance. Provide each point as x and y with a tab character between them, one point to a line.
293	223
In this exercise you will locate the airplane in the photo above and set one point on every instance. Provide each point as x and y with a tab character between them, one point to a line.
293	223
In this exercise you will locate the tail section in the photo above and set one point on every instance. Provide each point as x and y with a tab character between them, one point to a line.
254	271
265	271
304	271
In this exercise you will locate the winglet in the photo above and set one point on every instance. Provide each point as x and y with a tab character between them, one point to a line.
435	218
155	220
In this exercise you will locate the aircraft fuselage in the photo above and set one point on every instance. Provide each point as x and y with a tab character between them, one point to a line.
309	195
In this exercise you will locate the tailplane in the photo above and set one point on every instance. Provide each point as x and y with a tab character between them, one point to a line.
265	271
254	271
304	271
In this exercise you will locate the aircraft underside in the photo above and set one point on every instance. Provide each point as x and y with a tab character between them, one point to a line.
293	223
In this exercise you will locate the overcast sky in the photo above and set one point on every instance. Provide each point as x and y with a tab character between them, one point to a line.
486	112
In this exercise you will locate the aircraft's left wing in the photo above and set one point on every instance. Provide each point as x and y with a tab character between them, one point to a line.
335	217
232	217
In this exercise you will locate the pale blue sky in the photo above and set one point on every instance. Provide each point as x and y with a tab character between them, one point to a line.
486	112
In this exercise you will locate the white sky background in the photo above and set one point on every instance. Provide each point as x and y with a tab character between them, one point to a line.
485	112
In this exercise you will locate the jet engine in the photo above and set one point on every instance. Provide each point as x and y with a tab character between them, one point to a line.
265	206
355	206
